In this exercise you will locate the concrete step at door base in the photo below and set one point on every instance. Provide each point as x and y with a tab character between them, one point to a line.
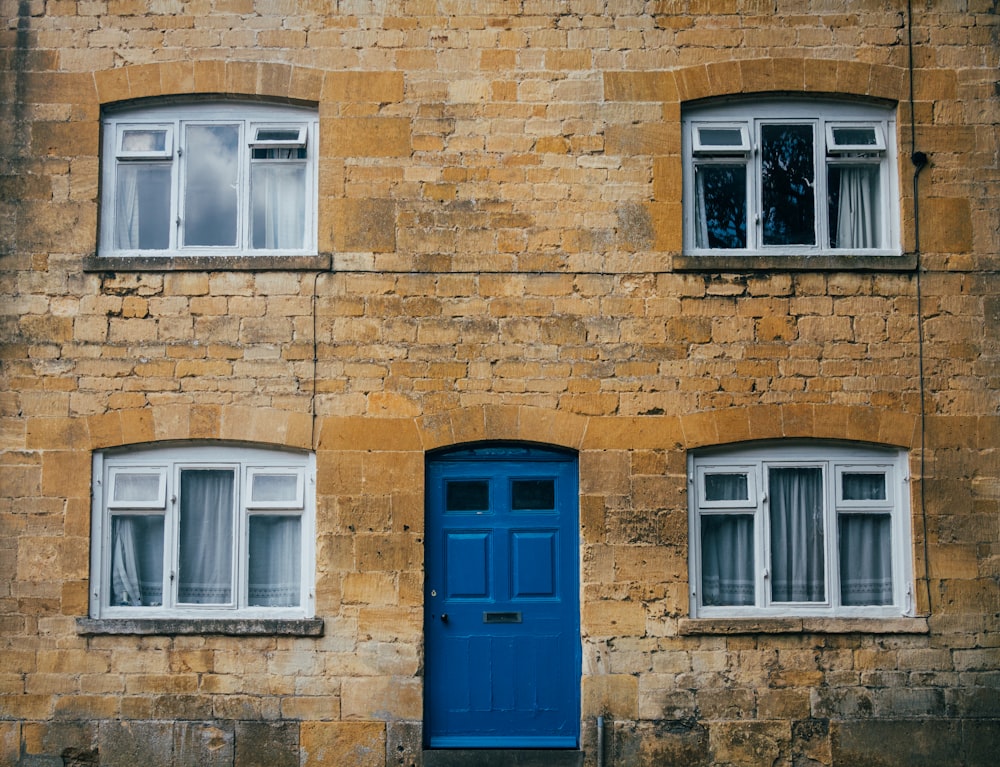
502	758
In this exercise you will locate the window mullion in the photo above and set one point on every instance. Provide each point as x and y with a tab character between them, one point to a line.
175	187
761	533
170	537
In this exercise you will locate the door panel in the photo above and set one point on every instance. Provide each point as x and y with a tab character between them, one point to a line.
502	603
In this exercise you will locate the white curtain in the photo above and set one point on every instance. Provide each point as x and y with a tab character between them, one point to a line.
137	561
857	212
275	561
727	561
700	213
278	205
865	559
797	559
127	207
206	537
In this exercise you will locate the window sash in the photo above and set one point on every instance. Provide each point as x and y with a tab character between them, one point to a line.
193	195
859	560
206	549
783	214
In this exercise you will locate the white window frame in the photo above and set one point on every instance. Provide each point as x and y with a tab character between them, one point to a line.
834	460
174	118
168	462
823	115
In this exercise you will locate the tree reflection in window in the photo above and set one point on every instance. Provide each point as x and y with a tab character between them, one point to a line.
788	179
722	206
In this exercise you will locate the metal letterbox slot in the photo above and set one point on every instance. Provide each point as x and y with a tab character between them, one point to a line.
501	617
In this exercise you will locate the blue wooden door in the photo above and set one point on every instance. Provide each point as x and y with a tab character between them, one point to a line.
502	625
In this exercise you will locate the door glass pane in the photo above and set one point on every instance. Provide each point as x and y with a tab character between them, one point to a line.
788	177
275	561
855	206
797	548
137	560
205	570
721	206
211	189
727	560
865	559
278	205
857	486
726	487
142	206
533	494
467	495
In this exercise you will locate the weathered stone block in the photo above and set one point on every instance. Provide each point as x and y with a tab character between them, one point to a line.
666	743
198	744
361	744
131	743
267	744
887	743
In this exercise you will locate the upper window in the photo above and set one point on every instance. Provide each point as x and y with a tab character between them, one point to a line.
790	177
203	532
800	529
209	178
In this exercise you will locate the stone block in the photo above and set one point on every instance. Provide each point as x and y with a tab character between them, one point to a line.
750	744
267	744
360	744
664	743
367	137
888	743
404	744
130	743
611	695
203	744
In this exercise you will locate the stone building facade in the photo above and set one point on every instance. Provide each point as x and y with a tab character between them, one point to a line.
498	204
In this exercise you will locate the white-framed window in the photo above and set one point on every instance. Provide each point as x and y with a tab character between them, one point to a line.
203	531
209	178
792	176
799	528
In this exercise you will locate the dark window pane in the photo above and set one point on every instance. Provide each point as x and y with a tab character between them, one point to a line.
278	134
788	178
865	559
539	494
721	206
863	487
854	206
727	566
854	136
136	560
721	137
797	547
726	487
467	495
142	206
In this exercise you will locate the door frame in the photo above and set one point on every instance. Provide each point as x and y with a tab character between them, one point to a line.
509	452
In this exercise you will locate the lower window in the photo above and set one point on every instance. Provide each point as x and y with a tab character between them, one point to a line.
800	529
203	531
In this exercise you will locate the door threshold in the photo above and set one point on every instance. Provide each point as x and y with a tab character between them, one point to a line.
503	757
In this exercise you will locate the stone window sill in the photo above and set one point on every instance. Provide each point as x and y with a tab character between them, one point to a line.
702	263
206	263
307	627
696	626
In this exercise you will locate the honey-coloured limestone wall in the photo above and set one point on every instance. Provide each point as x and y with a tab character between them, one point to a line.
500	259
